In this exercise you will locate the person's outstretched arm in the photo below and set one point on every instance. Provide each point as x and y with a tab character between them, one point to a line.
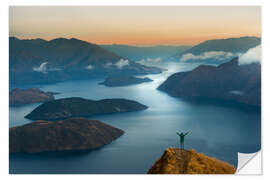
178	133
186	133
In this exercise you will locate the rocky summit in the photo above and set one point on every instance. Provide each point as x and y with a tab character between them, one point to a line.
177	161
65	135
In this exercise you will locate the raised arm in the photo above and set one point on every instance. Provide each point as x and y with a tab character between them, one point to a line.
186	133
178	133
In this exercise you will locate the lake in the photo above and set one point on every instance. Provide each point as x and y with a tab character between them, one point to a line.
217	128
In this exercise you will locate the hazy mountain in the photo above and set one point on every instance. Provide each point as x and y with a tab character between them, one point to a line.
59	53
41	61
218	51
142	52
228	81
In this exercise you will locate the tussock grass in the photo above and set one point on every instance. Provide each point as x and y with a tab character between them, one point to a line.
176	161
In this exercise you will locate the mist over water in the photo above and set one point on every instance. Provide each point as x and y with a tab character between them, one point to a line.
219	129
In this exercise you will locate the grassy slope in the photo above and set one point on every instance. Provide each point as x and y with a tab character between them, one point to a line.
173	161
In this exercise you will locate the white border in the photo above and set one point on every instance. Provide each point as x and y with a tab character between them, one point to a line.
137	2
4	80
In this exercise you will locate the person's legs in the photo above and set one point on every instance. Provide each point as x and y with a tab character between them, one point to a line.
181	150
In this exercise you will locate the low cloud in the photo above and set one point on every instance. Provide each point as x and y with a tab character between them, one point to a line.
54	69
150	61
219	55
236	92
121	63
89	67
253	55
108	65
42	68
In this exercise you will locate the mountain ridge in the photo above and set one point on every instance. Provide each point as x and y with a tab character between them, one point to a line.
228	81
220	48
138	53
39	61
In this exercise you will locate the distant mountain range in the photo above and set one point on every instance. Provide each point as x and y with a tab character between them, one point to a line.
217	51
229	81
34	61
138	53
40	61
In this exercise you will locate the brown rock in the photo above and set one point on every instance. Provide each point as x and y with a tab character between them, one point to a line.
175	161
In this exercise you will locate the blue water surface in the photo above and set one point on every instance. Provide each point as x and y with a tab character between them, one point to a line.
217	128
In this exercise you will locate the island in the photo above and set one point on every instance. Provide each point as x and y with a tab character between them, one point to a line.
80	107
124	81
228	81
177	161
73	134
19	97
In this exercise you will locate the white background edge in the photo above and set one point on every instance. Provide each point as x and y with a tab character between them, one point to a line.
4	82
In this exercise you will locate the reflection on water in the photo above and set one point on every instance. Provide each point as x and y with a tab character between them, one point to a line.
219	129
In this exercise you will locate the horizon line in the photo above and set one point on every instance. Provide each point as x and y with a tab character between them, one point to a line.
136	45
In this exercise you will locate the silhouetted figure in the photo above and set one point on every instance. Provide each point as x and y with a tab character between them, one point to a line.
182	139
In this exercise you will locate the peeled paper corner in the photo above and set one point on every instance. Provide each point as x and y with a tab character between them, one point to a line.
249	163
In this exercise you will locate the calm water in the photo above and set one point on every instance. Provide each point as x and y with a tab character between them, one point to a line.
218	129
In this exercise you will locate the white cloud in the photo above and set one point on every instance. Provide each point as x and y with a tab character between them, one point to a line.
89	67
150	61
219	55
251	56
42	68
108	65
121	63
236	92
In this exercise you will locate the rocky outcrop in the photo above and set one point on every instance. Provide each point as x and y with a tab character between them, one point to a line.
228	81
124	81
27	96
65	135
79	107
175	161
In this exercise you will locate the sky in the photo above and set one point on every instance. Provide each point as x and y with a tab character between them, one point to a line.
135	25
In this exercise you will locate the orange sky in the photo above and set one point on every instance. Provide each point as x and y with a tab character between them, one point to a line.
145	25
